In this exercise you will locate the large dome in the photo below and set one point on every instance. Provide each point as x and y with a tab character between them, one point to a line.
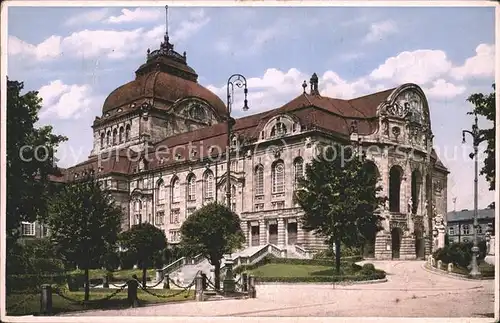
165	76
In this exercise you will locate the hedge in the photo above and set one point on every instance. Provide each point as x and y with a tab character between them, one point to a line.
377	274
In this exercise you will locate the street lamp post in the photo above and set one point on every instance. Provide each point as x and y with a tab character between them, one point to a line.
477	138
239	81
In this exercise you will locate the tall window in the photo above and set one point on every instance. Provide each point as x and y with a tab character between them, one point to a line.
28	228
102	140
174	216
127	132
108	138
259	180
176	191
114	136
451	231
191	188
466	229
161	192
159	218
121	134
208	184
298	171
278	175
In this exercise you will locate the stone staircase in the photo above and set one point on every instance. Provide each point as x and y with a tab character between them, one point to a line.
184	270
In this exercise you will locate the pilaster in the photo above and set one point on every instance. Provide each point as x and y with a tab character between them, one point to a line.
281	232
263	232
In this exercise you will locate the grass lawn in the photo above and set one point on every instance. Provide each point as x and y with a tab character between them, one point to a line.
29	304
289	272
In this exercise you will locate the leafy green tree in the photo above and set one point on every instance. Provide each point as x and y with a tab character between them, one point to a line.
339	196
30	160
213	231
145	242
484	105
84	222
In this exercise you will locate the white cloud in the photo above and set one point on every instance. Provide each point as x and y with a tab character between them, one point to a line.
48	49
111	44
66	101
87	17
480	65
420	66
379	30
136	15
442	89
197	19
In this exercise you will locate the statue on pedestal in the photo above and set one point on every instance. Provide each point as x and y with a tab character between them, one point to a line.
439	231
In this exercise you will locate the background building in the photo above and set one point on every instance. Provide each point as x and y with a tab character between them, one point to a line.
460	224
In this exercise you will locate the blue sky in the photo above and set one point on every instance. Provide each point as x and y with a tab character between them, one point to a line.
76	56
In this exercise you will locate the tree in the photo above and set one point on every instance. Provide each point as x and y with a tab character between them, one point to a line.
145	242
213	231
84	222
484	105
339	197
30	160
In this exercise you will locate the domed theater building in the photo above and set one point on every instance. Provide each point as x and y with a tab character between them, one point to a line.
159	146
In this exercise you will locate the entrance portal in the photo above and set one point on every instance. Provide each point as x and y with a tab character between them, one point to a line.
292	233
396	242
273	234
255	236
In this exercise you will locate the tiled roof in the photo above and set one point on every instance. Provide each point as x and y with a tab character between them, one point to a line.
465	215
313	111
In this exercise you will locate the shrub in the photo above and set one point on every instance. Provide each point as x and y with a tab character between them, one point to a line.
460	254
368	268
127	260
32	282
378	274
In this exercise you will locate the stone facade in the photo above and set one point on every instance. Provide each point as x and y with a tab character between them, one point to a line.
269	152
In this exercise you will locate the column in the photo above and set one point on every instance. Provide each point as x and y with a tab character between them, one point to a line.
246	232
263	232
286	231
281	232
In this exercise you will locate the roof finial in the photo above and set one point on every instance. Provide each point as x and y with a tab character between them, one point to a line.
166	21
304	86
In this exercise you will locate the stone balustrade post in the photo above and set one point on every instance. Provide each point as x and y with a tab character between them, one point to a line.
450	267
159	275
244	282
198	288
105	280
166	283
251	287
46	300
440	264
132	286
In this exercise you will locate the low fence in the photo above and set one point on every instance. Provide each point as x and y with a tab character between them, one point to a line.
244	286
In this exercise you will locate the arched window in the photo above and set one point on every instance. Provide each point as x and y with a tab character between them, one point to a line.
114	136
121	134
127	132
108	138
191	188
102	140
259	180
278	129
278	176
395	175
161	192
208	185
298	171
176	191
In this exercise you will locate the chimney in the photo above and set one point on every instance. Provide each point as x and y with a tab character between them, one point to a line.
314	84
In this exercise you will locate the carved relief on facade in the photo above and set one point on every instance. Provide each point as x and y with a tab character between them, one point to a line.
195	110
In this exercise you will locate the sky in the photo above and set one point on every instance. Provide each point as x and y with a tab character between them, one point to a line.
75	56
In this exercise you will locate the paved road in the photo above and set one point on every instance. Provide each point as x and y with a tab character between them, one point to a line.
410	291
